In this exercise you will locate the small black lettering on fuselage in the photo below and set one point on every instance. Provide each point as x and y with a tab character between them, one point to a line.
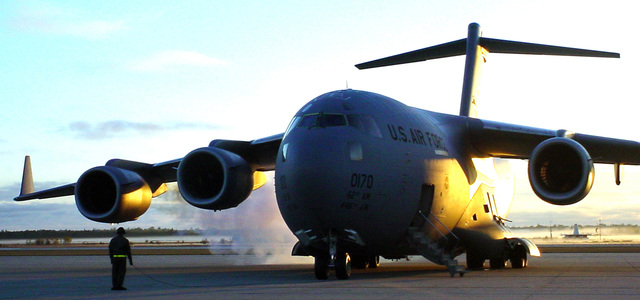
416	136
362	186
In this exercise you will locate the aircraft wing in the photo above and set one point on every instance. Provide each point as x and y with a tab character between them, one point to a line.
260	154
514	141
60	191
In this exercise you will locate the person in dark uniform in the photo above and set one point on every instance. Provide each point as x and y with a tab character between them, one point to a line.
119	250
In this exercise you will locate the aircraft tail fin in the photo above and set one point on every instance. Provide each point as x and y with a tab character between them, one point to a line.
476	47
27	177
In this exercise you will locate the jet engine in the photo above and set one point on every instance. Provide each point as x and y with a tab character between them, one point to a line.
112	195
213	178
560	171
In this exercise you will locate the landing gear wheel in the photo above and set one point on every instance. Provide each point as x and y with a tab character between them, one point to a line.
474	261
497	263
374	261
321	267
343	266
518	263
360	261
518	258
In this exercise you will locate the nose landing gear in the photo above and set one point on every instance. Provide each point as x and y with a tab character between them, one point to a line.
339	260
341	263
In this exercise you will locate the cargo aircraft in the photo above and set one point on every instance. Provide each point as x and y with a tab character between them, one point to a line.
359	175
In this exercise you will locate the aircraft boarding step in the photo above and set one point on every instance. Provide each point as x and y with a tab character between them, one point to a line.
430	249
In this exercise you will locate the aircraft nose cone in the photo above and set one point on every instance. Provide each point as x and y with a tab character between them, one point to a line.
311	171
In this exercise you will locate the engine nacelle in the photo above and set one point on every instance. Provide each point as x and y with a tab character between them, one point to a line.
112	195
213	178
561	171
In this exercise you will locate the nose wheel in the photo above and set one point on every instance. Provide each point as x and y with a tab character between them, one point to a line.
339	260
341	263
343	266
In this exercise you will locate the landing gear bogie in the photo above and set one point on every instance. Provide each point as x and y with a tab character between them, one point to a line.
518	258
497	263
374	261
365	261
359	261
474	261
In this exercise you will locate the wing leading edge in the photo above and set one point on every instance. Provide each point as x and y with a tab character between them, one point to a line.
514	141
260	154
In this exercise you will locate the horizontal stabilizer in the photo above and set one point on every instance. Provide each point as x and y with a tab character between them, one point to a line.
434	52
511	47
492	45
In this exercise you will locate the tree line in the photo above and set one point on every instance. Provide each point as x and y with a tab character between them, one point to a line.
559	226
94	233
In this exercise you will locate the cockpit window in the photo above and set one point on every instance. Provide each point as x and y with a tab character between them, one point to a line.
308	121
363	123
330	120
323	120
294	122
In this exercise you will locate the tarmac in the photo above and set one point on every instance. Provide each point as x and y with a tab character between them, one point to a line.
555	275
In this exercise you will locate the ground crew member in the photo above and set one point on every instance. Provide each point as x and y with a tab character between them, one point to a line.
119	250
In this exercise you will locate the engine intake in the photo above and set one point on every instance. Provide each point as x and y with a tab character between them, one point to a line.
213	178
112	195
560	171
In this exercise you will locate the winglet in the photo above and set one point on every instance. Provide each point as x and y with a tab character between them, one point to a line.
27	191
27	178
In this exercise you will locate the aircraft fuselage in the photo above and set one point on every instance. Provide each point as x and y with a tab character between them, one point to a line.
364	167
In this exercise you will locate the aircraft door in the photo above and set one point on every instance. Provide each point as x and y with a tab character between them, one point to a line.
424	207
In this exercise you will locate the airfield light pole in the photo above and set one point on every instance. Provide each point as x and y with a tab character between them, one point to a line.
600	228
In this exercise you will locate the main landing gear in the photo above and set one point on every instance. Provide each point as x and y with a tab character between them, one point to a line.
321	267
365	261
517	257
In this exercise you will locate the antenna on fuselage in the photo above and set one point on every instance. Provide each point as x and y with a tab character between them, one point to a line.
476	47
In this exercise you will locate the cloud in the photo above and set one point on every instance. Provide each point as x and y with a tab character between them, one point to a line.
171	59
48	19
112	128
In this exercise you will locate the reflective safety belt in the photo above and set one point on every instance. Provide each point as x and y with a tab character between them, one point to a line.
120	255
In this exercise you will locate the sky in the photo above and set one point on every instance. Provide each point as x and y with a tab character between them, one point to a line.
86	81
